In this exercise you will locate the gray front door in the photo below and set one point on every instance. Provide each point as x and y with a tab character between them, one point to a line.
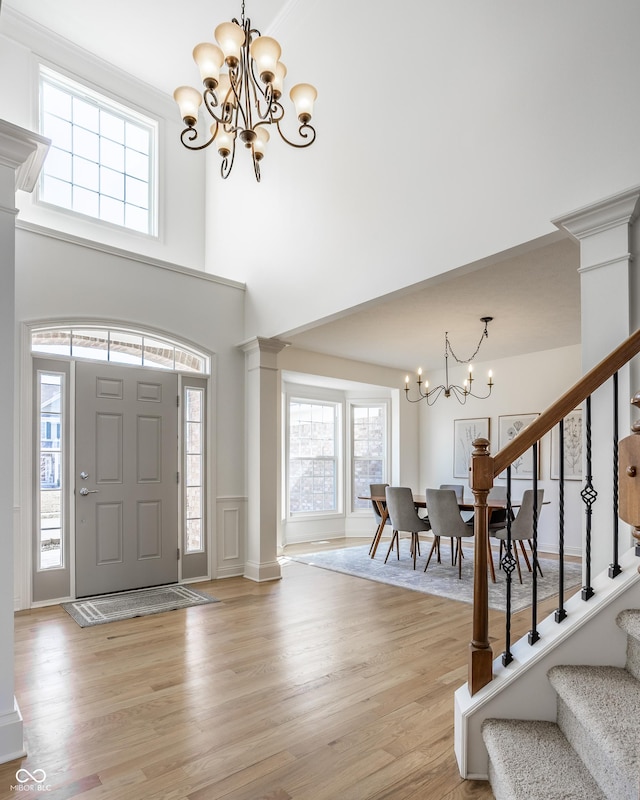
126	490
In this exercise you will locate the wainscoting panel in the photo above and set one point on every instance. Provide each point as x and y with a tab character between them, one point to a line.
231	536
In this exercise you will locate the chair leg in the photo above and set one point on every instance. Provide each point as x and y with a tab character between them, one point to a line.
376	537
434	546
526	557
415	546
459	552
515	552
394	538
492	568
538	564
454	554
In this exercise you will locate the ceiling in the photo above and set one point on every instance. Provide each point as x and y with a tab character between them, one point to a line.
534	296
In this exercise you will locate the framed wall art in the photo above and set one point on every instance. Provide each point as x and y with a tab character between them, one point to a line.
465	431
572	448
508	428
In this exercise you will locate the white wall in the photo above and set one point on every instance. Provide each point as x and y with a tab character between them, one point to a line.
500	107
526	384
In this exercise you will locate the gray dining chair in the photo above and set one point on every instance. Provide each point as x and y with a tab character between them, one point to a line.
404	517
467	516
445	519
521	528
376	489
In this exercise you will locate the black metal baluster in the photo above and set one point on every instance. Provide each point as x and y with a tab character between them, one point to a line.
533	633
589	496
561	612
508	564
615	568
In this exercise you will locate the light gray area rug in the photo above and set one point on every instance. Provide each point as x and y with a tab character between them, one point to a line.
141	603
441	579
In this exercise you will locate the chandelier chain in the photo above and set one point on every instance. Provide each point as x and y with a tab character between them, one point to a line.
484	335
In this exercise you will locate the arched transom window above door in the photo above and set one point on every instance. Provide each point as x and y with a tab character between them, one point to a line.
119	346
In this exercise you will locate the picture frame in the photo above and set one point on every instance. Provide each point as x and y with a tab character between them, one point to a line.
510	426
572	448
465	431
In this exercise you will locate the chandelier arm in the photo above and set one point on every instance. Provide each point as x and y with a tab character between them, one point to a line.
210	102
227	162
192	134
302	130
256	166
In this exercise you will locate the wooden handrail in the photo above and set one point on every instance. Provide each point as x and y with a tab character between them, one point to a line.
485	468
565	404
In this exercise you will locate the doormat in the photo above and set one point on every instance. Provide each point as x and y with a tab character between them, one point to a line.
141	603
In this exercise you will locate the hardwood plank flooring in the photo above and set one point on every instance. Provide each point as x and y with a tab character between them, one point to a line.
317	687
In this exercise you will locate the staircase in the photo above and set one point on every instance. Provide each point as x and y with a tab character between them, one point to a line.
592	751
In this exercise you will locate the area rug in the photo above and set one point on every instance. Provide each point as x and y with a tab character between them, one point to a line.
442	579
141	603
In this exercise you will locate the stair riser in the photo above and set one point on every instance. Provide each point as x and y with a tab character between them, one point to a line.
608	776
633	657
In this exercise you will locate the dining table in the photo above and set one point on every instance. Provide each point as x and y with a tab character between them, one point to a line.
419	500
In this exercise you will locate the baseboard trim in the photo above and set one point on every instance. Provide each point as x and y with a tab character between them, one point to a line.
270	571
11	735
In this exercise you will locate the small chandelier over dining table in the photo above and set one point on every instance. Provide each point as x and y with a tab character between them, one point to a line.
245	101
461	393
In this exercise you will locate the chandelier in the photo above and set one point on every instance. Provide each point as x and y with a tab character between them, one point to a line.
245	100
461	393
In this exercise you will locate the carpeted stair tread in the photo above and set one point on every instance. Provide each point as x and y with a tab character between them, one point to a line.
599	713
535	760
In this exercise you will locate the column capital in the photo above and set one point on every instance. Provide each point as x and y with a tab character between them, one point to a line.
23	151
611	212
262	352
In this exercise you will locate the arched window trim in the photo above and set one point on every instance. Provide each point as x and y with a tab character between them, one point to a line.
119	344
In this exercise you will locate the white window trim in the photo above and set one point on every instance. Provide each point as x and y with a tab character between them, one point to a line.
122	107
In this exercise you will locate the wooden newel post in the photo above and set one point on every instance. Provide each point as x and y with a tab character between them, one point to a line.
629	478
480	652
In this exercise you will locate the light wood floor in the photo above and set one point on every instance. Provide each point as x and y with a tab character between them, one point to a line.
317	687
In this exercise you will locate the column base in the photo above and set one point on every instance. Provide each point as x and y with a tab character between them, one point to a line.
11	735
262	572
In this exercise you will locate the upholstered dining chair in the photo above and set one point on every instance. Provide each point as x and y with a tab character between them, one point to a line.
404	517
375	490
521	528
467	516
445	519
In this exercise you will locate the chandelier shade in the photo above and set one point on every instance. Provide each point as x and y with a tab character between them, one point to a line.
243	83
461	393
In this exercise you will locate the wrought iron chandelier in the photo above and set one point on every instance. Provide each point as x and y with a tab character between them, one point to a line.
461	393
245	101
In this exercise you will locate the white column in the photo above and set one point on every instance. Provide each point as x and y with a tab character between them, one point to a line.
21	157
261	415
610	307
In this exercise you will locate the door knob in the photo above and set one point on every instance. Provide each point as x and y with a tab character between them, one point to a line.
84	491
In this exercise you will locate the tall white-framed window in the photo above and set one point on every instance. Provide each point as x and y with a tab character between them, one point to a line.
51	393
313	457
102	161
368	449
194	468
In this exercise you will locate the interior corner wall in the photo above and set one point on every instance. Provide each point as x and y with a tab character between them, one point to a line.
523	385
